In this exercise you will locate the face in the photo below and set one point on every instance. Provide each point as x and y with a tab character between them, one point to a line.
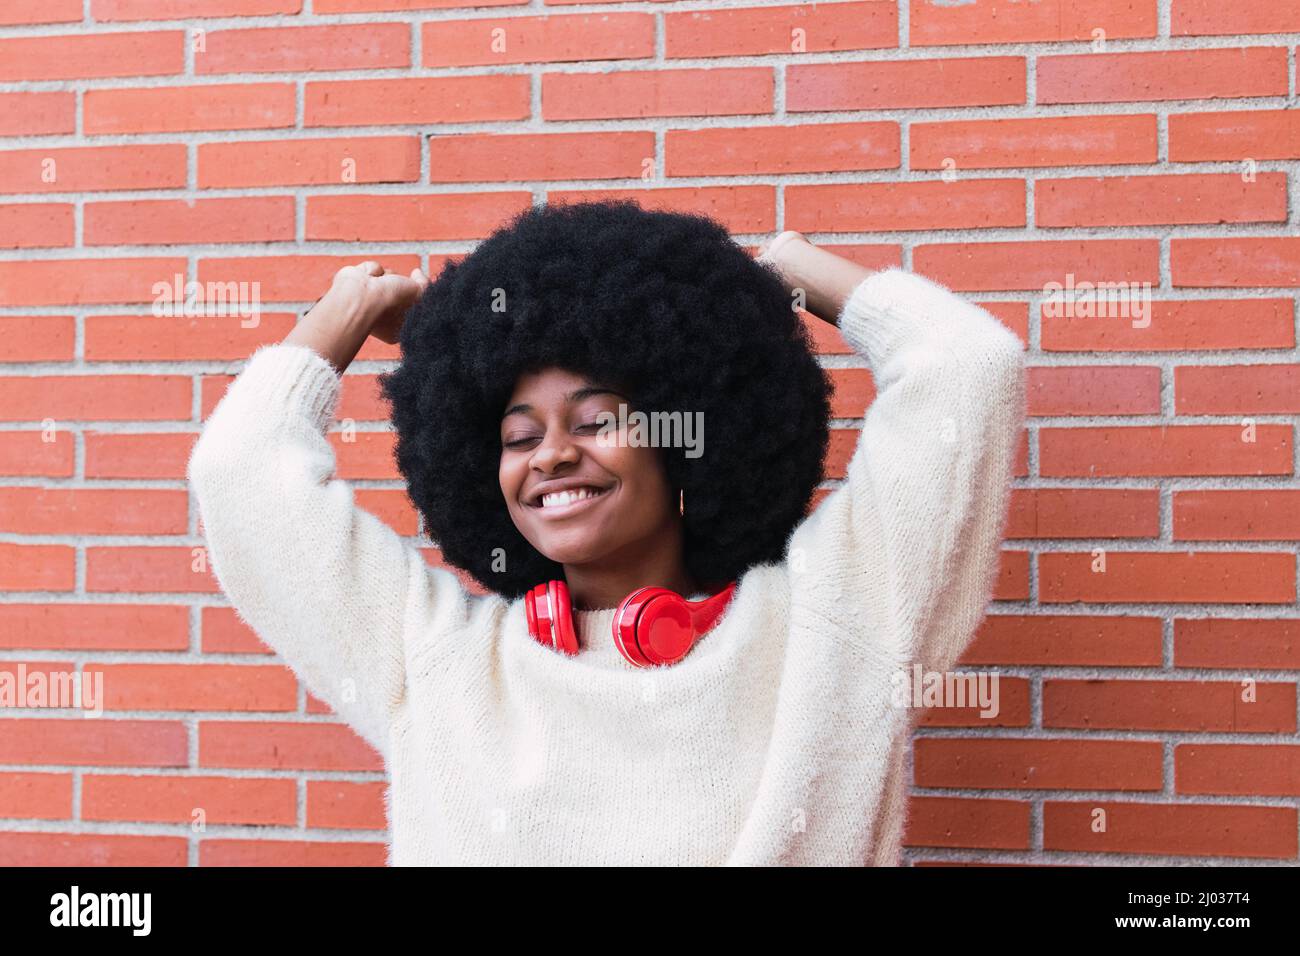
551	440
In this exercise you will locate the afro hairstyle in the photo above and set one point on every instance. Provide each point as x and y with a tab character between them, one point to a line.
664	304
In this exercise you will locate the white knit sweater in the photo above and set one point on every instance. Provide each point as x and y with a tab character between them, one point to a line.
775	741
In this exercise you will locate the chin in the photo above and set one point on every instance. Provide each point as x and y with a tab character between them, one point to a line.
581	551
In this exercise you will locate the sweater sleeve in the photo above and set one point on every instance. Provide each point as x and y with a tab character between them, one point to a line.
928	485
323	582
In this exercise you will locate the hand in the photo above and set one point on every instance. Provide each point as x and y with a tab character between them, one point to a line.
775	249
825	278
382	298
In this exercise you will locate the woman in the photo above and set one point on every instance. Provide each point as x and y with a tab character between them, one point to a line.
775	739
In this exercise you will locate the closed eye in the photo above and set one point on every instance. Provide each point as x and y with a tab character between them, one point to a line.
520	442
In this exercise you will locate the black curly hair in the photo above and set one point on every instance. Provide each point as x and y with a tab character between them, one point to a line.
665	304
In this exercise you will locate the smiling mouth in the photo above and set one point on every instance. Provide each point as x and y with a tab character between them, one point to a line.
564	503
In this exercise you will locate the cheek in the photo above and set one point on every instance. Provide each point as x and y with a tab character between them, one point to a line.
641	470
508	477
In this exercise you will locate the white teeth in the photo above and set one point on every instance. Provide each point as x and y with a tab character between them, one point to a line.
558	498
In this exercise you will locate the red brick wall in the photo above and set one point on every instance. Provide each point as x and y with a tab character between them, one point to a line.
997	146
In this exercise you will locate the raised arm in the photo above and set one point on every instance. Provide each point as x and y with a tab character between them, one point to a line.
928	485
326	584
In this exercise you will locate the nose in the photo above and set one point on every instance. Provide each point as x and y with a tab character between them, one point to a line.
554	450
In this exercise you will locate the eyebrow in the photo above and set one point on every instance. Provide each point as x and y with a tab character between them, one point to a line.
575	396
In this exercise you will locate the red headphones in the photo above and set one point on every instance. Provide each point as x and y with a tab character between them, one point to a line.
652	625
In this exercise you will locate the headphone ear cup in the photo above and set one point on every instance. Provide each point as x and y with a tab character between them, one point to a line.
530	612
654	626
550	619
563	634
666	631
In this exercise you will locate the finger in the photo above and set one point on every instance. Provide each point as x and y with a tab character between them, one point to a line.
370	267
399	286
418	275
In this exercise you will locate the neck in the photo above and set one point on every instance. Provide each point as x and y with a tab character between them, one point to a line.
655	561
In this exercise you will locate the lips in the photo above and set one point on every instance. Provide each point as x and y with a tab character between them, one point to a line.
558	499
568	501
546	489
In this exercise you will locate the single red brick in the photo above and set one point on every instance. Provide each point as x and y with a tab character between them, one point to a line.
1234	136
1182	829
141	222
1011	763
1077	640
1179	577
31	453
351	46
819	147
248	801
964	823
1263	514
36	796
1186	705
1272	389
278	745
1213	18
512	157
906	84
1157	200
1175	325
487	41
92	55
110	10
1034	141
889	207
793	29
342	804
395	218
1094	390
424	100
21	12
1235	261
103	627
183	109
37	225
1084	513
1249	770
92	849
294	853
1010	21
1217	73
1040	266
629	94
224	687
100	743
1253	643
38	113
1157	450
182	569
85	511
88	168
377	159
